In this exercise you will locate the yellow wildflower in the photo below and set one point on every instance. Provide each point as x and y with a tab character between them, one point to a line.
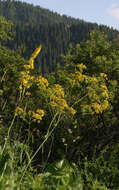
97	108
38	121
58	90
104	87
90	110
81	66
28	93
104	76
53	104
20	87
24	81
105	104
31	63
79	77
36	52
28	85
73	111
38	115
28	67
42	82
59	103
31	78
94	79
105	94
40	112
19	110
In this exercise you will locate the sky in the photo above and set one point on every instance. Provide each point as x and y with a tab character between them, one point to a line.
97	11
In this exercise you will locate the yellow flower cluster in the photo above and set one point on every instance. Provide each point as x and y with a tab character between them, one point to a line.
31	63
98	96
78	77
104	76
72	110
105	104
104	91
36	116
26	78
99	108
28	66
33	56
54	94
81	66
92	94
36	52
59	103
103	86
42	82
96	107
19	111
93	79
105	94
28	93
57	100
58	90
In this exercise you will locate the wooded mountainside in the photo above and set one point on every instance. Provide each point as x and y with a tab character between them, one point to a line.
34	25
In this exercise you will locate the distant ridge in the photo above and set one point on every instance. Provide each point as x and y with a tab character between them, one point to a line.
34	25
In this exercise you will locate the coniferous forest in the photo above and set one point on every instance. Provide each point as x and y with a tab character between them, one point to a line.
59	101
34	26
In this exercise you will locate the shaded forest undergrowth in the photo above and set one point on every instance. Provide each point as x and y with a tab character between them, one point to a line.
60	131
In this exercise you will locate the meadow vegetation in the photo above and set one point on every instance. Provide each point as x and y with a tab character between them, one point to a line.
60	131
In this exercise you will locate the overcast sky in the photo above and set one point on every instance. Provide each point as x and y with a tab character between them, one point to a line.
99	11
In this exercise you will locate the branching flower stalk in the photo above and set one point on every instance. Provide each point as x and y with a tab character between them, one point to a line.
22	92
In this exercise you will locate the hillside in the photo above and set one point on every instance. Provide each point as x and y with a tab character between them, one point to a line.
34	25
